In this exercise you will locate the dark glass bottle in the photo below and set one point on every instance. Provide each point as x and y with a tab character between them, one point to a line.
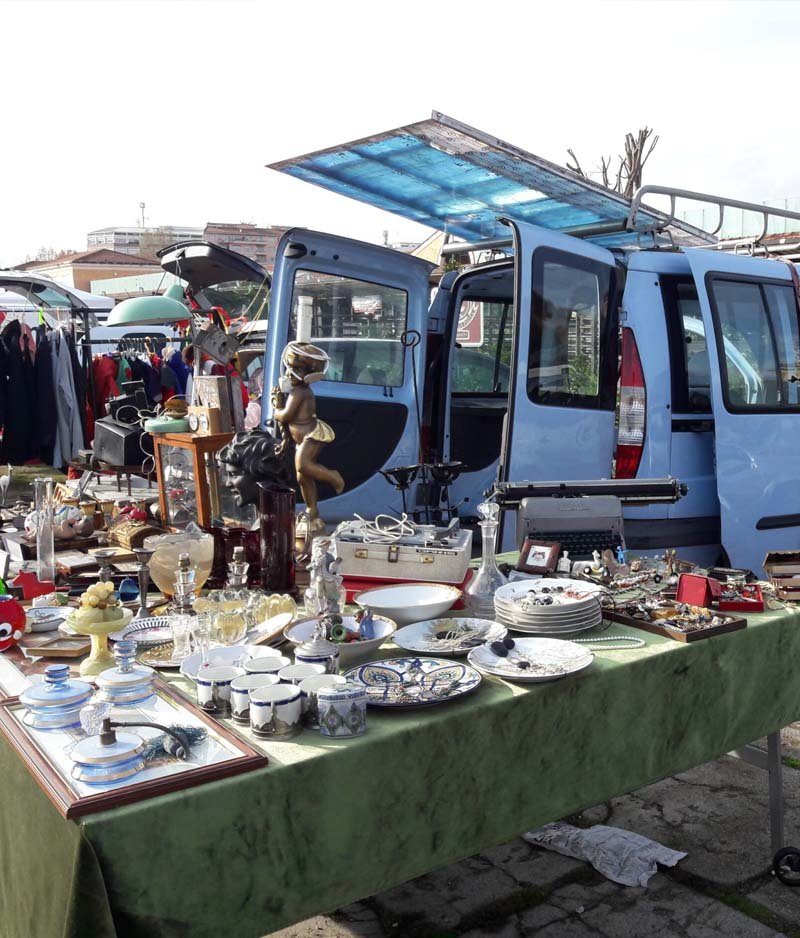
276	513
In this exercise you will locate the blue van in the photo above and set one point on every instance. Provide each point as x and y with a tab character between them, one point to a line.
596	340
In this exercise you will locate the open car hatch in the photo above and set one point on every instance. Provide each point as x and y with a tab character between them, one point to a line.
457	179
203	264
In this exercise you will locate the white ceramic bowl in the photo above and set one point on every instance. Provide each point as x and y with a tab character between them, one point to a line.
46	618
301	631
409	602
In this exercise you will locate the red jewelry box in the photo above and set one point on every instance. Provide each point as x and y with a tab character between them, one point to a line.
705	591
697	590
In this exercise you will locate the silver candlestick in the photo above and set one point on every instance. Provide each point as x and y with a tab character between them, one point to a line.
144	556
104	557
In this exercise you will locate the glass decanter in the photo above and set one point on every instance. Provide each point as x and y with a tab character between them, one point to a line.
479	596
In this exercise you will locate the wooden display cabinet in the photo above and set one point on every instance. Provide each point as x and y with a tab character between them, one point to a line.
188	478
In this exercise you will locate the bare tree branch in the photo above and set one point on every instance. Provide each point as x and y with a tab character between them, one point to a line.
637	151
577	167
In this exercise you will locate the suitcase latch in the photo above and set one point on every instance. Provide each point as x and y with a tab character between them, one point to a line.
394	553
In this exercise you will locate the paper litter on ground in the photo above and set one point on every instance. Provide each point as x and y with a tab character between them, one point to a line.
620	855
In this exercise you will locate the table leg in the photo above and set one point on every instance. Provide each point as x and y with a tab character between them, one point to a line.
775	768
771	762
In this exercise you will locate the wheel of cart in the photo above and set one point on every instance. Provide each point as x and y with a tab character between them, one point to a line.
786	866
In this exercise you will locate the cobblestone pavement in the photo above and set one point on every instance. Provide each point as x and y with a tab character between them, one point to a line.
717	813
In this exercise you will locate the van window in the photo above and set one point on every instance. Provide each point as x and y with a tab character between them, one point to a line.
690	367
358	323
568	357
239	298
757	342
482	359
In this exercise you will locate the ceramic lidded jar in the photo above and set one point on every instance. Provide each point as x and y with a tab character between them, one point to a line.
342	710
128	683
56	703
318	650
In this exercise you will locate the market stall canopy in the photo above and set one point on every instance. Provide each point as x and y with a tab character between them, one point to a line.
18	287
457	179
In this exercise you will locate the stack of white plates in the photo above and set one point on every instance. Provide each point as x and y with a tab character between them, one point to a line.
575	606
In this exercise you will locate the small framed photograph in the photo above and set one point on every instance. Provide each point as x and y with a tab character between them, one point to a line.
538	556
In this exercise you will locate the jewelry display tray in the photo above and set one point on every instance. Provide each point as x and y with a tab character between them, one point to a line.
732	625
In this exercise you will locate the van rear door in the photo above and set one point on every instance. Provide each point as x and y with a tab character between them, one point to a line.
363	299
750	309
560	420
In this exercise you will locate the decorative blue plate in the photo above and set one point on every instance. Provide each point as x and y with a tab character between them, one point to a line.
401	683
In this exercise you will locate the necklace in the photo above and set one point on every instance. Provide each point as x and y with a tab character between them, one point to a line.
630	640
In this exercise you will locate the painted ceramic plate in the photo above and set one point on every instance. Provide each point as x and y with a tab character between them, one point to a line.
403	683
224	655
450	636
549	660
154	630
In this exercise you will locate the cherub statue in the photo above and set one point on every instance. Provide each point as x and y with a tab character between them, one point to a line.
324	593
254	456
294	409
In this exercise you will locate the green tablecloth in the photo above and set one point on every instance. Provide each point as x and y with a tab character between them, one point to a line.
330	822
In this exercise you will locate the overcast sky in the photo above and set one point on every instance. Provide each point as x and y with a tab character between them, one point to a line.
181	104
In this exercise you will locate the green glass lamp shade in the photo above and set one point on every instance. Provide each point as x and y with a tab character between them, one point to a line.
176	292
146	310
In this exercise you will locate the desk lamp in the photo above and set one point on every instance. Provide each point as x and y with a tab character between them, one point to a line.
148	311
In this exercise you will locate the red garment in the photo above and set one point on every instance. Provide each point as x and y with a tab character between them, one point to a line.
105	371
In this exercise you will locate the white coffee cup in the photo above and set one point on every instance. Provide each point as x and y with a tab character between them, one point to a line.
214	688
275	711
269	664
240	693
308	695
294	673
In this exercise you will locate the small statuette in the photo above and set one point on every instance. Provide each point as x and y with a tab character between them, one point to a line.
325	593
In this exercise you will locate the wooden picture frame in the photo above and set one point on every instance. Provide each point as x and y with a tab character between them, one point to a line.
31	746
538	556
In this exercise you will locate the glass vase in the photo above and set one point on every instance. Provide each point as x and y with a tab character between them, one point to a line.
45	547
479	597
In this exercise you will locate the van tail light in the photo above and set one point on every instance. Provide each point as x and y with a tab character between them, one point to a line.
632	409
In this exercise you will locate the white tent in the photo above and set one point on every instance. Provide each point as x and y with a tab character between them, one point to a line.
28	292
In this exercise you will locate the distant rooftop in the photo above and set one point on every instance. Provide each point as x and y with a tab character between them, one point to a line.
94	256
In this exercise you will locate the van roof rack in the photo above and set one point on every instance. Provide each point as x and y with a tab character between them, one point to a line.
753	243
766	211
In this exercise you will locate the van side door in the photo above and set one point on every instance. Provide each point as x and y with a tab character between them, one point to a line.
750	313
563	381
363	299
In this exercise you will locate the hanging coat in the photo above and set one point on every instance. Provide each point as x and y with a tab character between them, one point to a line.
45	398
21	419
69	431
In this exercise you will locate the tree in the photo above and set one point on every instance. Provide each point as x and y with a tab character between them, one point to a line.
153	239
628	176
50	254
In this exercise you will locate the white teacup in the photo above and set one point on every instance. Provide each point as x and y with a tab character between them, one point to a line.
275	711
308	696
214	688
240	693
268	664
294	673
